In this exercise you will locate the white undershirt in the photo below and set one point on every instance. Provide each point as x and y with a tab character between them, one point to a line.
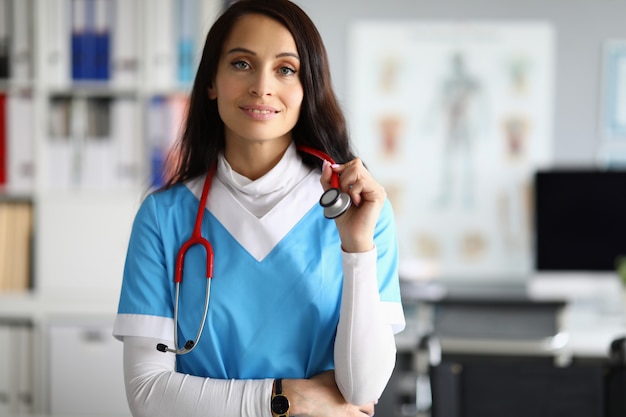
261	195
364	346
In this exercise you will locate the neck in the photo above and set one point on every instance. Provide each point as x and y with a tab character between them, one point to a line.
253	160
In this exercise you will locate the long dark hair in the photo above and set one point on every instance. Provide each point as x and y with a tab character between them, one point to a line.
321	123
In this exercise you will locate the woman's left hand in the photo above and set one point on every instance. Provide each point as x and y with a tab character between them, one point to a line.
356	226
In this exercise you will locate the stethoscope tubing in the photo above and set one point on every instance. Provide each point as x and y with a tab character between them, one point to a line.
195	239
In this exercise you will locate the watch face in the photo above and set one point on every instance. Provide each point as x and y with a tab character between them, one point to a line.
280	404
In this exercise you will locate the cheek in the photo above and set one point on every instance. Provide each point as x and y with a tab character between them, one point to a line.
225	88
295	98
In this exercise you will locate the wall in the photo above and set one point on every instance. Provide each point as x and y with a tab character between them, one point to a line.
581	27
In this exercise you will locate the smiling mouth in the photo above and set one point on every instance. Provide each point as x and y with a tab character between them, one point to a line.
260	110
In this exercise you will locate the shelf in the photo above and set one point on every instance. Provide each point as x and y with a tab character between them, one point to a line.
78	147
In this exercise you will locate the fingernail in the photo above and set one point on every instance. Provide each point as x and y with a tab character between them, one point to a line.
335	166
324	164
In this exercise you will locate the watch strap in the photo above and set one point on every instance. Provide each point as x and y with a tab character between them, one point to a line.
278	386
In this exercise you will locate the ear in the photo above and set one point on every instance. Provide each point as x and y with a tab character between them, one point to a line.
212	93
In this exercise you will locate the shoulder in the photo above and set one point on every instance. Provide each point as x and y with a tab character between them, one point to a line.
162	204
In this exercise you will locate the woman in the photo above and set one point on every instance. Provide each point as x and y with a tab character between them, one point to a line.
303	309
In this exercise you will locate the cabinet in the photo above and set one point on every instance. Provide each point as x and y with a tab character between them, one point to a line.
92	93
86	374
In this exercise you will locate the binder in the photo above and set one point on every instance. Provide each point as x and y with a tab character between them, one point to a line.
3	142
127	149
6	372
82	51
21	40
101	40
24	384
58	31
4	39
186	30
90	39
15	367
160	49
156	134
58	146
97	160
124	40
20	141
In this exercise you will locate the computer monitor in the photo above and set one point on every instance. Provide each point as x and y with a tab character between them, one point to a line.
580	220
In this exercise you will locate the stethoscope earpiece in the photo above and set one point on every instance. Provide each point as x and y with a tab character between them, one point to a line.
335	203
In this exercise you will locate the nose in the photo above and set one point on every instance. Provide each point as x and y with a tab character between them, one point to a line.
261	84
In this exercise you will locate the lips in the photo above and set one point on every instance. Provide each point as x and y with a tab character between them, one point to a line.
260	112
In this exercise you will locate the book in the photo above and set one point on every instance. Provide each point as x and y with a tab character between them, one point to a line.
5	236
15	246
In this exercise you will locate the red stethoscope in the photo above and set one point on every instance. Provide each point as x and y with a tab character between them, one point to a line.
334	201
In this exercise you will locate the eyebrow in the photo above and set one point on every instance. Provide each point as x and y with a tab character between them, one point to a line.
247	51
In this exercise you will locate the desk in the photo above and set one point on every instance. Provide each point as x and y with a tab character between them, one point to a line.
569	340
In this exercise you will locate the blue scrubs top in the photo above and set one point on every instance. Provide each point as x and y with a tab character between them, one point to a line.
276	290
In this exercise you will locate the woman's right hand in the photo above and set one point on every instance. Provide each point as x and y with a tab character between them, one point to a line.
320	397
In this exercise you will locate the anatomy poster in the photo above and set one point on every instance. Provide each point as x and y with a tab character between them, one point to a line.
453	118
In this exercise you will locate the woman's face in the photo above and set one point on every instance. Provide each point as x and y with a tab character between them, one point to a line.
257	86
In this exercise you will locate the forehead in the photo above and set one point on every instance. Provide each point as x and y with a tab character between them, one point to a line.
256	31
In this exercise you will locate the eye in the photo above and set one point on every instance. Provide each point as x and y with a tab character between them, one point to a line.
286	71
242	65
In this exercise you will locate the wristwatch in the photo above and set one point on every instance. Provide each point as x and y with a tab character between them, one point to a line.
280	403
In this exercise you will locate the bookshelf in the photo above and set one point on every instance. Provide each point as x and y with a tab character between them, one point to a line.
91	94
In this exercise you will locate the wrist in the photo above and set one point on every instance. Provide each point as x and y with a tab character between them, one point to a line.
295	390
280	403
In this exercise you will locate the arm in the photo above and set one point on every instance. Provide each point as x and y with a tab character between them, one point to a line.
155	389
365	348
365	345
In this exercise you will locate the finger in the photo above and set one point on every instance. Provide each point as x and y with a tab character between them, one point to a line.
355	191
367	409
327	172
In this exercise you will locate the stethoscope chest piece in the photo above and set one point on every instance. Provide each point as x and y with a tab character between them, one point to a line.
335	203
